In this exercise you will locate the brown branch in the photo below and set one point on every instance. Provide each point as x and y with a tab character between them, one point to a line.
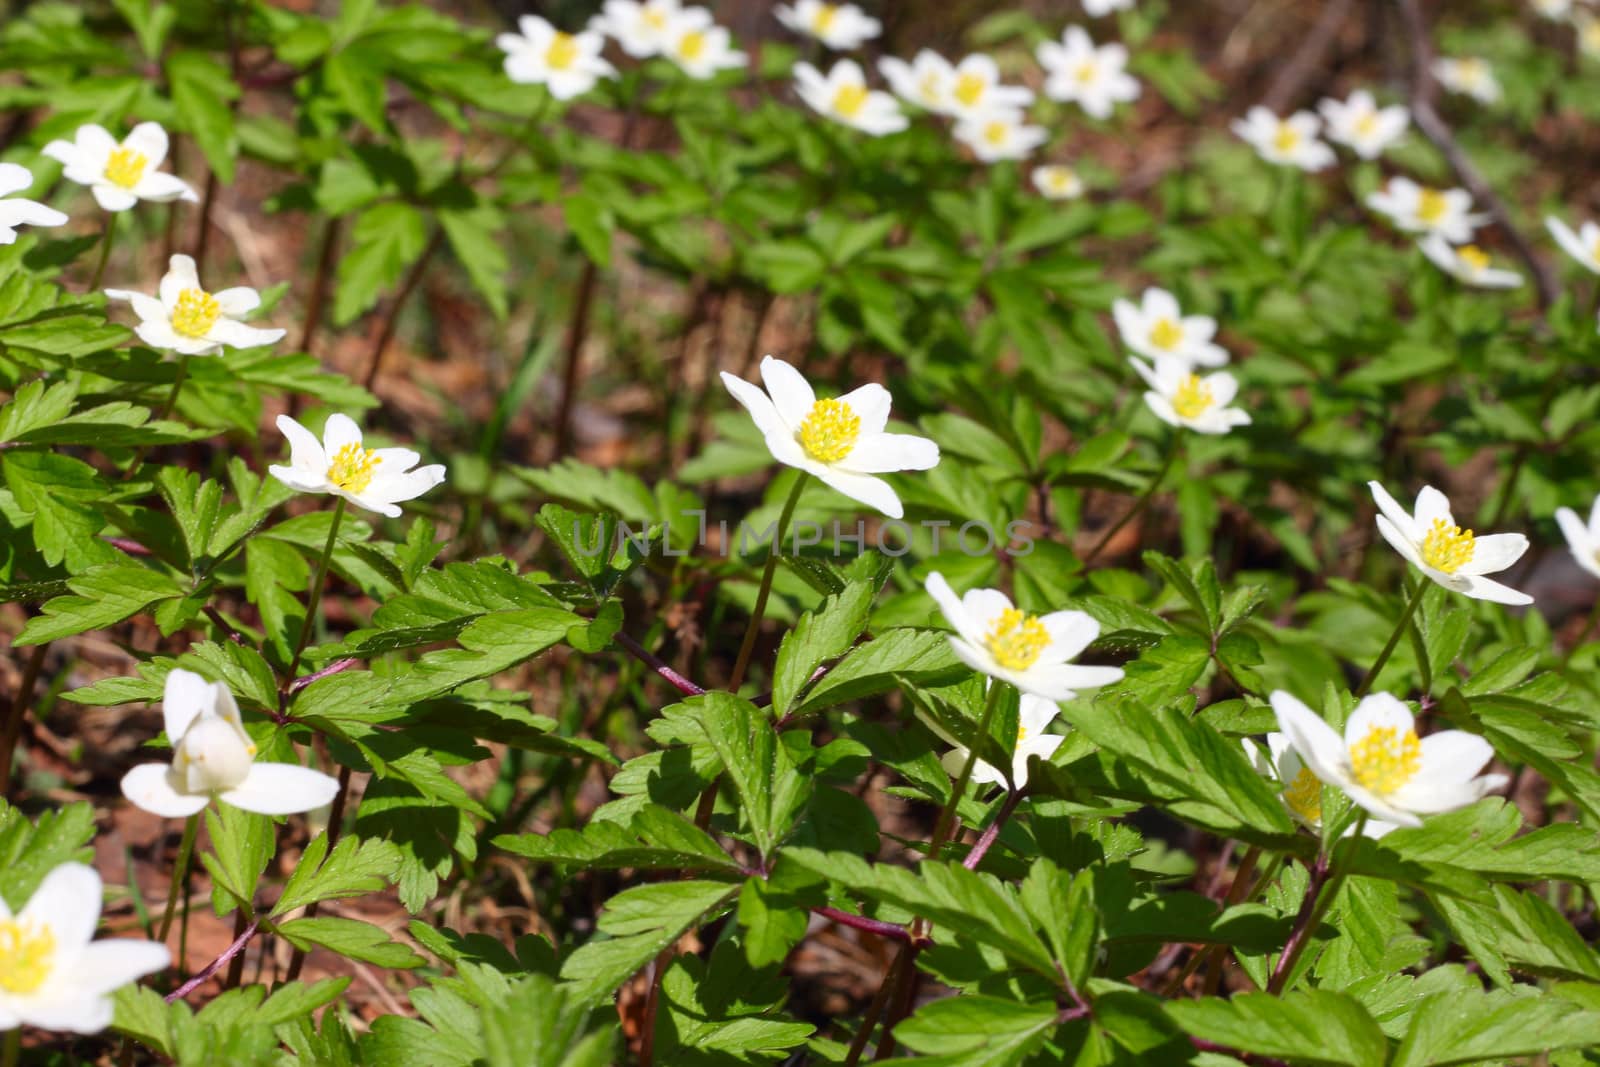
391	318
577	331
1307	60
17	712
1435	129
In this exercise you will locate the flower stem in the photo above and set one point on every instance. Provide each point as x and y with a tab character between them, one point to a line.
180	871
577	331
314	597
1140	504
178	379
13	1048
106	242
947	817
1320	895
991	832
741	664
1394	638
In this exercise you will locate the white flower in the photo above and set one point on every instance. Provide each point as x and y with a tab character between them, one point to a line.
1288	142
1582	245
1157	327
1000	135
1097	8
1470	76
15	211
567	64
1584	541
976	91
373	478
1555	10
1033	715
1057	182
1180	397
186	319
53	974
927	81
120	175
1455	558
213	757
1361	125
647	29
1416	208
1093	78
1029	651
702	51
841	441
844	97
839	26
1381	762
1299	789
1468	264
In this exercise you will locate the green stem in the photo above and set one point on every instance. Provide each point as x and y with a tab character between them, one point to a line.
105	251
1140	504
1394	638
180	870
741	664
947	818
314	597
1306	924
177	386
13	1049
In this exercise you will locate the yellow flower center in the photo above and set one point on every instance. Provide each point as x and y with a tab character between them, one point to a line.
196	313
1166	334
969	89
995	133
1087	72
1474	257
1431	206
655	18
1367	124
828	432
562	53
351	469
1022	733
1386	759
824	17
1287	139
27	955
1595	251
1447	548
849	100
125	166
1017	639
1193	398
1304	796
1471	71
692	46
1059	179
928	87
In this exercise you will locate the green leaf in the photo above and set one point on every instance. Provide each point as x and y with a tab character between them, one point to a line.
818	636
101	597
31	849
771	791
350	938
654	839
1316	1026
355	868
978	1030
242	844
385	240
641	922
202	93
919	656
1460	1027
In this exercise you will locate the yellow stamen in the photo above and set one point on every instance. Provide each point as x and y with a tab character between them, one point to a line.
655	18
27	956
1367	124
1446	547
1016	640
1304	796
692	46
351	469
828	432
1431	206
824	17
1595	251
1386	759
196	313
1287	139
969	89
849	100
1166	334
1022	733
1474	257
928	87
1060	179
1193	398
562	53
125	166
1087	72
995	133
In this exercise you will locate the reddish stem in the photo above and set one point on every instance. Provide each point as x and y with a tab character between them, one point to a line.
215	965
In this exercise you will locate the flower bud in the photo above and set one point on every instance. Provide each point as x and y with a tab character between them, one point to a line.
213	756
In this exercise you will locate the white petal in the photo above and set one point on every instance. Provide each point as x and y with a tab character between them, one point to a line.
1391	509
236	334
1454	756
791	393
951	606
112	197
338	431
1034	714
1399	542
886	453
1070	633
76	1014
67	902
362	501
148	308
282	789
186	697
1318	745
758	404
1068	678
407	485
105	966
149	139
181	275
237	302
1378	711
1480	588
148	786
305	451
873	492
870	403
1495	552
1431	505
